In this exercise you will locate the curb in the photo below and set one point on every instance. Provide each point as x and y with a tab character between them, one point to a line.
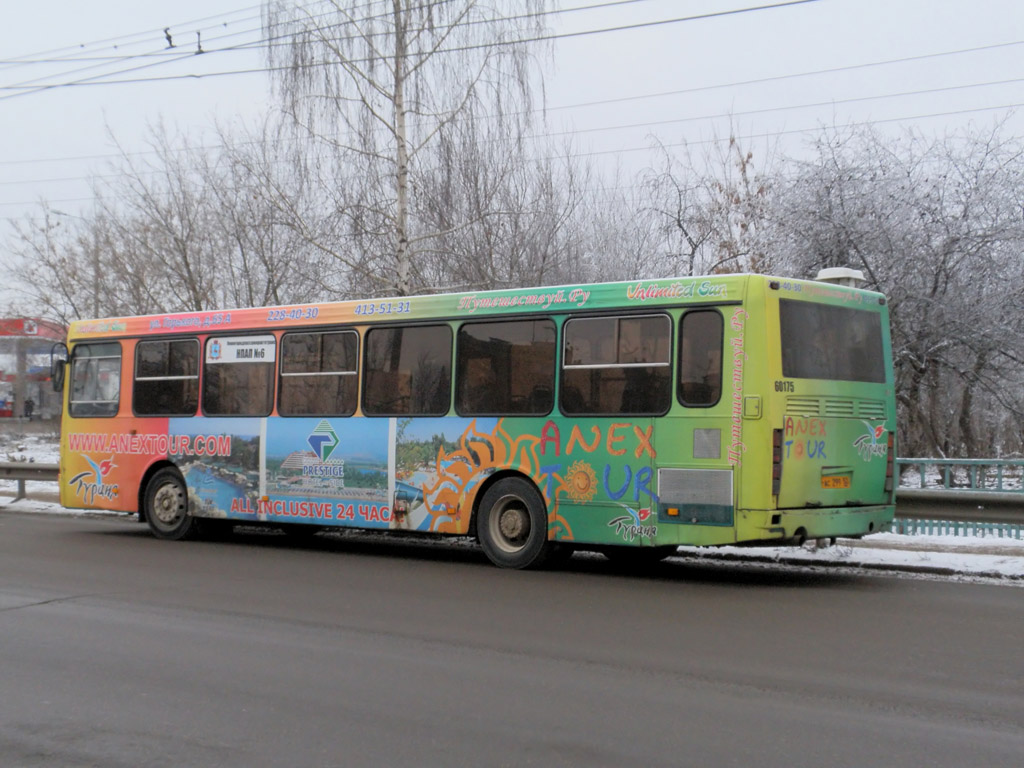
927	570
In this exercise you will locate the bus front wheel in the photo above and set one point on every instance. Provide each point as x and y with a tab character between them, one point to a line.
513	525
166	504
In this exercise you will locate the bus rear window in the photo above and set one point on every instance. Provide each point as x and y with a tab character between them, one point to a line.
821	341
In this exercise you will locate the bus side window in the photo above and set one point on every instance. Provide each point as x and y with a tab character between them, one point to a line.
95	379
505	367
616	365
318	374
166	378
238	375
700	358
408	371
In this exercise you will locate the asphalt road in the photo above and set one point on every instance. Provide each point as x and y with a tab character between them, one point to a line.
120	650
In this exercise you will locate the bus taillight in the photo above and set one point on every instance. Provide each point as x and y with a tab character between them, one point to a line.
776	461
890	464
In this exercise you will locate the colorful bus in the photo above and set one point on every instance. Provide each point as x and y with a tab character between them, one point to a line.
627	418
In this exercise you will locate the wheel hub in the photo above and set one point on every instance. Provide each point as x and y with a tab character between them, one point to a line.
513	523
167	504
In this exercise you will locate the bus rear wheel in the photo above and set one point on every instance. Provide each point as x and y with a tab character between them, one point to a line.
512	526
166	505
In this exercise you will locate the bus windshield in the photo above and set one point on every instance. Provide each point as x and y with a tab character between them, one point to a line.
821	341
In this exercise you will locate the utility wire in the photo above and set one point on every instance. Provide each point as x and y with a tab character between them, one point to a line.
662	94
166	52
768	110
630	126
96	80
648	148
121	40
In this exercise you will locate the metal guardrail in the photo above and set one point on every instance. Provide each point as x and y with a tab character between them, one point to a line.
981	475
955	512
27	470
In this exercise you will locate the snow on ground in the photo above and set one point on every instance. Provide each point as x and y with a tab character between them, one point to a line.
31	442
970	556
34	442
962	476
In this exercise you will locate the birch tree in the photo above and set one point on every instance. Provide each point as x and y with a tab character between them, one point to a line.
381	82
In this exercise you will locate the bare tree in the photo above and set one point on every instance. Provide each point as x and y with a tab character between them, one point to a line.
382	82
184	227
936	225
714	208
260	183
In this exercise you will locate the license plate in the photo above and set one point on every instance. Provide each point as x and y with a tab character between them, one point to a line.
833	482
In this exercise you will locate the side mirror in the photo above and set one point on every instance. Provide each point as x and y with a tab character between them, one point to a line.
58	365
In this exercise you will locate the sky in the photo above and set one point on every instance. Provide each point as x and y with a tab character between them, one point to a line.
773	75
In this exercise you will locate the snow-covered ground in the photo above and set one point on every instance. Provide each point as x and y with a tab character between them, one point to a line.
963	476
979	557
29	442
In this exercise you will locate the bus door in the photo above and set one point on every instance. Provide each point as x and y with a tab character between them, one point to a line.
695	443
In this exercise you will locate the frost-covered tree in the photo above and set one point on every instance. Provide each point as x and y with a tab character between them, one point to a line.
936	225
381	83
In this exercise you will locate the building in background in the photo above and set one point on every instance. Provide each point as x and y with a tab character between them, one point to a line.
25	391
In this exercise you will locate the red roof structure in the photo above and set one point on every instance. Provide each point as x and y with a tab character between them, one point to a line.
31	327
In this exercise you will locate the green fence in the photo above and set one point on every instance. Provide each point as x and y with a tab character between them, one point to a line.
996	475
957	528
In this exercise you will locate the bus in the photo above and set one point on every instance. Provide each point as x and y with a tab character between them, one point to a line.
627	418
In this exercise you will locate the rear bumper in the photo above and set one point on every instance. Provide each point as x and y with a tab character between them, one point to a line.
792	525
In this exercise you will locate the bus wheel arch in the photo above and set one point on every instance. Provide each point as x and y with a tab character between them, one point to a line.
510	520
165	505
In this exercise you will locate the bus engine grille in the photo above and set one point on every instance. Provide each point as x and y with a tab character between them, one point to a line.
840	407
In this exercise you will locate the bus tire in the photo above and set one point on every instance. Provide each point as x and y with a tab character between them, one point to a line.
512	525
166	505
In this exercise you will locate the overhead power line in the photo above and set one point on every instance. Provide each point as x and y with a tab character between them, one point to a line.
103	79
648	147
171	53
793	131
85	51
629	126
118	41
656	95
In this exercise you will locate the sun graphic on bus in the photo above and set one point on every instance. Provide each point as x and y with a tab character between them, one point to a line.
581	481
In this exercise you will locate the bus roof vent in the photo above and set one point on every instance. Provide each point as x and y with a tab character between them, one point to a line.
852	278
